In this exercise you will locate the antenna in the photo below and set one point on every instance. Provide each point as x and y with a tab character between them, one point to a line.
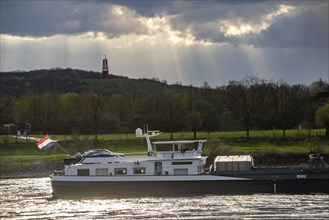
147	135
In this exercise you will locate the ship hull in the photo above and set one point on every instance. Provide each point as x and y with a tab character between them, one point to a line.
119	189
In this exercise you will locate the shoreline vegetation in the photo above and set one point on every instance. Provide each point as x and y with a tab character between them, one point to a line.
20	158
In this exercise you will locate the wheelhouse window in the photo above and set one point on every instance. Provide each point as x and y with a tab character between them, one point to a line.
189	147
164	147
83	172
139	170
120	171
101	171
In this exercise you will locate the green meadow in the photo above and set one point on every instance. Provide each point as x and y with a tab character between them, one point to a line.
14	150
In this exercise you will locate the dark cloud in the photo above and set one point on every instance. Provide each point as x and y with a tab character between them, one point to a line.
23	18
149	8
46	18
308	27
305	26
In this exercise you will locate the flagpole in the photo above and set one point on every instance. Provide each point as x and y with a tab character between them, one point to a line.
62	148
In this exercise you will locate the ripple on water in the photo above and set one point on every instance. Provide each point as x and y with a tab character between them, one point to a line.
31	199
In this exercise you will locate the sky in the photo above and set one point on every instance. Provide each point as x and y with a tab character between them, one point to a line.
187	42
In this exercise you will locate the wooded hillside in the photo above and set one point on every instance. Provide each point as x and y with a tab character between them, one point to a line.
59	81
76	101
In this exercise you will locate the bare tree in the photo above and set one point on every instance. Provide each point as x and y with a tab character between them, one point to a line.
194	121
283	102
173	110
6	103
245	98
95	104
322	117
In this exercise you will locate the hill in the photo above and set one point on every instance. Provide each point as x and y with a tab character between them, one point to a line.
119	104
72	80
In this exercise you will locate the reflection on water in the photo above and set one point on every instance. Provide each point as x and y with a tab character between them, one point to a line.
31	199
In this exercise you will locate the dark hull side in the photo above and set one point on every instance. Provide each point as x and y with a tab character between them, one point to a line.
186	188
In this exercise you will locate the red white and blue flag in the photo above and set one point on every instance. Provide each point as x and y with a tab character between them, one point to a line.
45	143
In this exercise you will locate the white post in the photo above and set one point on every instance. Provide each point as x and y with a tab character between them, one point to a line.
149	145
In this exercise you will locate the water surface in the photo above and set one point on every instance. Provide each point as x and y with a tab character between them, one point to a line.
31	199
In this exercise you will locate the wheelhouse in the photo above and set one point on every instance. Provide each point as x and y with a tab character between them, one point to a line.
167	158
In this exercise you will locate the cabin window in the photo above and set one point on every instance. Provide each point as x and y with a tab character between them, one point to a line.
139	170
180	172
189	147
120	171
182	163
164	147
101	171
83	172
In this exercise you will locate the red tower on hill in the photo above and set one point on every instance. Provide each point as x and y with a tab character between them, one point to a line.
105	68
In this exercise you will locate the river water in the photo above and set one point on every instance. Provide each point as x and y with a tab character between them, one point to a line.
31	199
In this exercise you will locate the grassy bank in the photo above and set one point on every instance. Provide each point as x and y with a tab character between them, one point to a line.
261	142
21	157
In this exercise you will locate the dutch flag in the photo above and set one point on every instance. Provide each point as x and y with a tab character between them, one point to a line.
45	143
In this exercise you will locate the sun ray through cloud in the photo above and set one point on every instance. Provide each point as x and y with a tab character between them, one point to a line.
185	41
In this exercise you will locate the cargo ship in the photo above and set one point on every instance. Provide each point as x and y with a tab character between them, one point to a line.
177	168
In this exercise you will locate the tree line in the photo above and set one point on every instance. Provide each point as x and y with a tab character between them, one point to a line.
251	103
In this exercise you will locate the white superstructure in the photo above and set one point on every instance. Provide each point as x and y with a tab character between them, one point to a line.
164	158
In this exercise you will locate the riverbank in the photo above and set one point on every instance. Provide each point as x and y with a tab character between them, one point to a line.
20	158
29	170
44	169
